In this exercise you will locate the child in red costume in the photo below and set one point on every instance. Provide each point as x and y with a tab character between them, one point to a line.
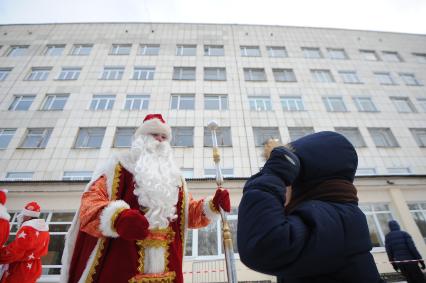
30	244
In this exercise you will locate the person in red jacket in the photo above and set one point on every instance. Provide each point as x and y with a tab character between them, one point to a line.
30	244
4	218
4	225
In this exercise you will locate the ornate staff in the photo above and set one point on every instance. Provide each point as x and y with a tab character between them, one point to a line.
226	231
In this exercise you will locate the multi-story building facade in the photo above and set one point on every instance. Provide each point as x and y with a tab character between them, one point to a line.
72	94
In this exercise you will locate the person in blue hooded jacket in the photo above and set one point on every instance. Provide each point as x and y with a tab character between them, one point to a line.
400	247
316	233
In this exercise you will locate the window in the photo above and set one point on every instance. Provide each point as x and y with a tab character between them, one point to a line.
403	104
254	74
383	137
419	135
182	102
409	79
384	78
298	132
214	50
250	51
284	75
54	102
4	72
312	52
69	74
112	73
54	50
369	55
260	103
36	138
17	50
214	74
353	135
365	104
143	73
422	103
337	53
365	171
59	224
136	102
123	137
215	102
262	135
349	77
399	170
211	173
223	136
277	51
420	57
89	138
186	50
182	136
334	104
21	102
418	212
121	49
187	173
6	136
38	74
322	76
391	56
81	49
77	175
102	102
149	49
184	73
292	103
378	215
207	241
19	176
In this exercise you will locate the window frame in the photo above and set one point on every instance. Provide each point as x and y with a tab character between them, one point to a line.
54	49
184	73
54	98
263	134
250	51
118	49
295	133
149	49
4	73
222	101
251	74
337	53
260	103
208	50
353	134
69	74
5	138
107	100
334	104
349	77
21	50
111	73
292	103
38	74
179	137
220	74
286	75
88	136
146	73
388	140
182	98
186	50
127	133
403	104
129	103
362	101
80	49
312	53
223	136
419	135
18	99
41	138
322	75
277	51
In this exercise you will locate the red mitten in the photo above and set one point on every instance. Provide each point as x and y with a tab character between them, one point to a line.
131	225
221	199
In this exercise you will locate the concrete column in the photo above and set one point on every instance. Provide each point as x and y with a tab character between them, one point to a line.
407	222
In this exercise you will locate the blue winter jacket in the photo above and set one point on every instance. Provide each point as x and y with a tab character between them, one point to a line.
319	241
399	244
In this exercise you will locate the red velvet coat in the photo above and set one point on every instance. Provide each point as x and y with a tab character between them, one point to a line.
24	253
111	259
4	225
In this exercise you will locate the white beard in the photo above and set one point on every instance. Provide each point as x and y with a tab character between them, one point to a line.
157	180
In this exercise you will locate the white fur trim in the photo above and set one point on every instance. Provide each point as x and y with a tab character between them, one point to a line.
212	215
38	224
3	213
154	260
106	169
186	209
88	265
154	126
106	215
31	213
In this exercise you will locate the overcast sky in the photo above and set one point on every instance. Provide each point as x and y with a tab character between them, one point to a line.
381	15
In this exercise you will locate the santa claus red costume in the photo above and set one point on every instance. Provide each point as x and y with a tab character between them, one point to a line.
31	243
4	225
4	218
134	214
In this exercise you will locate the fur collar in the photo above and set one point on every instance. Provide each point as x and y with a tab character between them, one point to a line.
38	224
3	213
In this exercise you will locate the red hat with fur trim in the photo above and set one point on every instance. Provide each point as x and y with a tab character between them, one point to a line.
3	196
32	209
154	124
